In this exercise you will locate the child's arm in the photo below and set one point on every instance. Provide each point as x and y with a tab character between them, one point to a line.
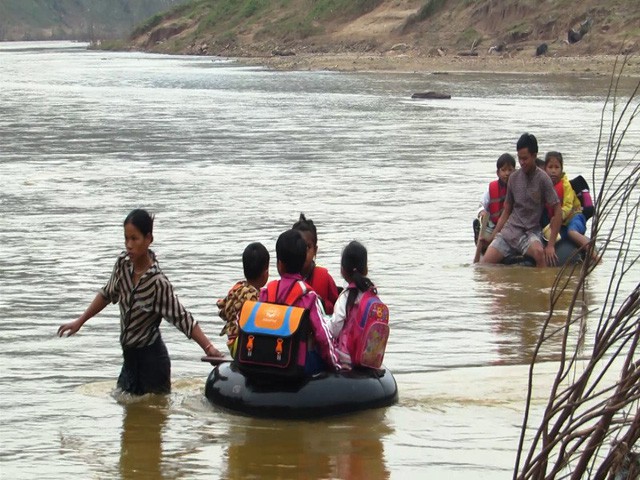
484	203
201	339
96	306
506	212
336	321
478	254
166	303
570	203
332	293
322	335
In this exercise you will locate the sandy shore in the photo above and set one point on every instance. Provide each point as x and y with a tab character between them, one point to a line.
403	62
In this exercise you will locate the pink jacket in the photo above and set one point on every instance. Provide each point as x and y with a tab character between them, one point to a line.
313	303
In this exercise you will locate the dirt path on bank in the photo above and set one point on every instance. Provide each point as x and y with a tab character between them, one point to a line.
412	62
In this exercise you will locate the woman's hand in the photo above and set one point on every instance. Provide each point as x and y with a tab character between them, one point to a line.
212	351
69	328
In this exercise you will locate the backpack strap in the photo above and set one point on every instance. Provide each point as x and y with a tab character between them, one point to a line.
372	291
272	291
298	290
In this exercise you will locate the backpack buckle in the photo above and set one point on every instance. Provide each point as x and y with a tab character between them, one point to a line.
250	345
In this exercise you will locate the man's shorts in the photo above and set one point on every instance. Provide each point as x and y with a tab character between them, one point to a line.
524	243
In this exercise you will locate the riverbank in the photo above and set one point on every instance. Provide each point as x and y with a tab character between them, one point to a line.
410	62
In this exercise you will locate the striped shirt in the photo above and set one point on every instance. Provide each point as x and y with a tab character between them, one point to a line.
142	306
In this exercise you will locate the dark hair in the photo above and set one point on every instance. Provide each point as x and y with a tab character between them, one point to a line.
504	159
304	225
354	266
551	155
142	220
291	250
255	260
529	142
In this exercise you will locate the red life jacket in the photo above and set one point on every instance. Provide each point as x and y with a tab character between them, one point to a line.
497	194
560	191
323	284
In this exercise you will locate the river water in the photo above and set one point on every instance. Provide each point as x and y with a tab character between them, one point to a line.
225	155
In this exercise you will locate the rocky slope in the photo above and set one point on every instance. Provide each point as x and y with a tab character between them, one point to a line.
506	28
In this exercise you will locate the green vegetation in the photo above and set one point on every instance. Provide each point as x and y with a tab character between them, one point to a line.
111	45
287	29
296	23
519	31
427	10
470	38
331	9
244	26
158	18
225	15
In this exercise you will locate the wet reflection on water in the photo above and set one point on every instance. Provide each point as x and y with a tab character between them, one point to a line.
519	302
141	440
323	449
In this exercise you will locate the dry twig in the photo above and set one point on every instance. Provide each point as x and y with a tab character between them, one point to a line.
591	424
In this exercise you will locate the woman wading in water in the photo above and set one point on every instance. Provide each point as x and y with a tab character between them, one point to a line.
145	296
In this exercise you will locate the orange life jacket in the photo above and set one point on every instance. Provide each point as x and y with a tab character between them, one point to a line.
497	194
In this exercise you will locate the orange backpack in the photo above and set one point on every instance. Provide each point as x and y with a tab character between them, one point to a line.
273	337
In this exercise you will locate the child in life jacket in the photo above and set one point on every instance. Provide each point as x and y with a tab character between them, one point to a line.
353	267
291	253
255	263
492	203
574	223
318	277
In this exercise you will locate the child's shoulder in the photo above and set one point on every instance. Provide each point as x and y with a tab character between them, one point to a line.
237	295
244	290
321	274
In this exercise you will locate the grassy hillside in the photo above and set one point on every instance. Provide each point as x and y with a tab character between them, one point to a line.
253	27
74	19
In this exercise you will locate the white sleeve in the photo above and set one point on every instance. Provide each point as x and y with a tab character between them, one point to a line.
484	202
336	321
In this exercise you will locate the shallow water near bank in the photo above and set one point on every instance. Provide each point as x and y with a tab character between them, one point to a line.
225	155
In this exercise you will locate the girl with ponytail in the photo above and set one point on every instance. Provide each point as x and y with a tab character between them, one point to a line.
353	268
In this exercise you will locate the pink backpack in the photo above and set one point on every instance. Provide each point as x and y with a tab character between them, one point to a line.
365	334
